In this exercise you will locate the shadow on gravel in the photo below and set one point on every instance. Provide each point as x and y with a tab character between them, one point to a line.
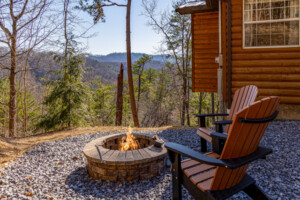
80	182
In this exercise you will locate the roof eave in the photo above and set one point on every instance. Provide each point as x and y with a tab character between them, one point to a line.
211	5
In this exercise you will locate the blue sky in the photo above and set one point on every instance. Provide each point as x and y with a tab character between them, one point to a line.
111	34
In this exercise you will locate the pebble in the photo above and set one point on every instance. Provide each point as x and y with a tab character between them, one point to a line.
277	175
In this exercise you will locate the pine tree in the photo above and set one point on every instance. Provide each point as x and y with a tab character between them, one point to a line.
65	102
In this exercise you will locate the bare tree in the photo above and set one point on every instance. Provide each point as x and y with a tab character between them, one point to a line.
96	10
24	26
129	66
176	30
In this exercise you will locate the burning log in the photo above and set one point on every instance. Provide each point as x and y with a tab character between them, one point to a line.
129	142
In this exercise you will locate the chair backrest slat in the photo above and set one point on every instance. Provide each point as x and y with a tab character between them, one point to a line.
242	98
243	139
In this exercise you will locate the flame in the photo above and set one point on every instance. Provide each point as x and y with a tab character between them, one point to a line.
129	142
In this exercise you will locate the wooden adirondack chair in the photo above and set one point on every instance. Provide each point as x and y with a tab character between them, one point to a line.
243	97
213	176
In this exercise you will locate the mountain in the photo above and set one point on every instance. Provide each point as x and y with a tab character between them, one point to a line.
108	72
157	62
105	67
121	57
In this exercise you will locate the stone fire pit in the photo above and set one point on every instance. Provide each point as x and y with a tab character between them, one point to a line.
146	162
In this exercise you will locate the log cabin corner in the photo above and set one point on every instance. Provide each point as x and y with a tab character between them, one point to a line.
247	42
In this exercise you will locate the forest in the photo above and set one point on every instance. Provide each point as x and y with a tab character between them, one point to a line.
49	83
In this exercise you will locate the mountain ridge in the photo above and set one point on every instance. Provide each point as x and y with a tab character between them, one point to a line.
122	57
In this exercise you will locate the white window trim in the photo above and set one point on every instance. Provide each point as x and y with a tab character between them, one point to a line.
268	21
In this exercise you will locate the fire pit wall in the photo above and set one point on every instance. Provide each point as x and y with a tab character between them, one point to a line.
115	165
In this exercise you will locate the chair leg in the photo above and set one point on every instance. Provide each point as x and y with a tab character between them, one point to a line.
255	192
203	145
176	177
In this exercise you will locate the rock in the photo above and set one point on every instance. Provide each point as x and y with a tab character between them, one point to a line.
277	175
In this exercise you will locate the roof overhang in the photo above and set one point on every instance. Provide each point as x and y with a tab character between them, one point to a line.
198	7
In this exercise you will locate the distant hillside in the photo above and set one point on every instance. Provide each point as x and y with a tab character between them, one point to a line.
108	72
157	62
121	57
104	67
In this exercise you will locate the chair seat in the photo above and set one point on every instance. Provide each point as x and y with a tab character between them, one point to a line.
205	133
200	174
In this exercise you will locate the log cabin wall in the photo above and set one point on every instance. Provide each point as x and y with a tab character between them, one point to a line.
205	48
275	71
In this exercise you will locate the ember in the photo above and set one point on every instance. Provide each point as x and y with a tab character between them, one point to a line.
129	142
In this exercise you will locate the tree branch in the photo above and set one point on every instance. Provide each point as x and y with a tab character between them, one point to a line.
4	42
162	29
113	4
5	29
23	10
34	18
11	9
4	104
4	67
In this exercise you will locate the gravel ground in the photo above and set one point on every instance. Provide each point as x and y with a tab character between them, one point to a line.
57	169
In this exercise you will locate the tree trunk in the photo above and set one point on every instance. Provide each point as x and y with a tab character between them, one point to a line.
25	102
139	93
119	108
188	104
3	128
188	75
200	106
66	77
12	85
213	105
183	101
129	69
91	114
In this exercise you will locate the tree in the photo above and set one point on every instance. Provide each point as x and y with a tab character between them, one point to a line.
32	106
176	30
96	10
160	102
104	105
66	100
138	69
24	26
119	104
4	88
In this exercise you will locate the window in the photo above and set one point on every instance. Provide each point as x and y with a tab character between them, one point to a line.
271	23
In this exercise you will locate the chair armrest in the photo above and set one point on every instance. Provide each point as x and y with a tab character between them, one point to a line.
219	125
219	135
202	117
229	163
260	152
185	151
223	122
212	115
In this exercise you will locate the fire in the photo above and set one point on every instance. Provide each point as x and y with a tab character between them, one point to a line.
129	142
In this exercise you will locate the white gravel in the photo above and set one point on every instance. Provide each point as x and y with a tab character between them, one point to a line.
57	169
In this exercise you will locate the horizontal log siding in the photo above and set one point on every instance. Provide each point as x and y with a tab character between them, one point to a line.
275	71
205	46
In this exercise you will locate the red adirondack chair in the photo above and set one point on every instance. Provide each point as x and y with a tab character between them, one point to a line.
243	97
214	176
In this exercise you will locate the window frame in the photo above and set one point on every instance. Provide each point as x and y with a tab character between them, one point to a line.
268	22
